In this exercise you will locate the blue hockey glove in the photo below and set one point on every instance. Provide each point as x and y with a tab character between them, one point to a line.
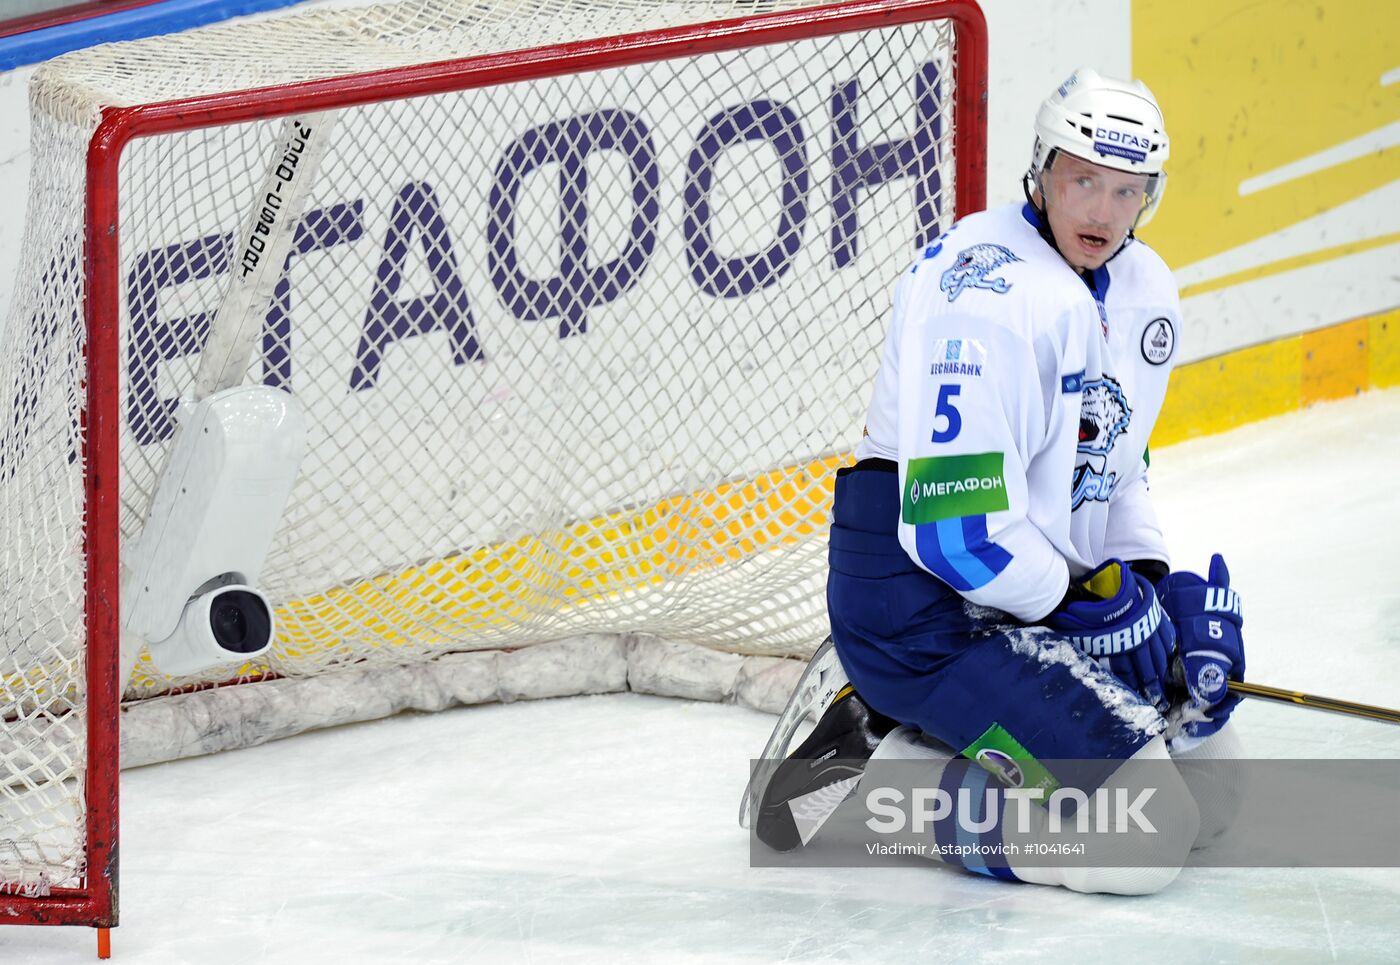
1206	613
1113	616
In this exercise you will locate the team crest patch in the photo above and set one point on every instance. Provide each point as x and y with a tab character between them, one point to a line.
1158	341
1103	417
972	268
1210	681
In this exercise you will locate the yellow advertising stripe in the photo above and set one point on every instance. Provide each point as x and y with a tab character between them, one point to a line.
1230	390
508	583
40	686
1288	264
1384	355
495	587
1220	393
1334	362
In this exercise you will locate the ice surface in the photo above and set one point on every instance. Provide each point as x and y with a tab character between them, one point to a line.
601	829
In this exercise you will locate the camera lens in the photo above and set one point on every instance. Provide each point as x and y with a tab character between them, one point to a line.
240	621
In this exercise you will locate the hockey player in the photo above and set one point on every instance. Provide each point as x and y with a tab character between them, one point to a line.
998	579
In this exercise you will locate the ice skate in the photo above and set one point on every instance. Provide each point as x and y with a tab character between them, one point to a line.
787	792
807	788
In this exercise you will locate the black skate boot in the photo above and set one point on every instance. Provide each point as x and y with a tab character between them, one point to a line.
801	792
816	690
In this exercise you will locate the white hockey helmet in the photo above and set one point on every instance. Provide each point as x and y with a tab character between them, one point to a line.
1114	123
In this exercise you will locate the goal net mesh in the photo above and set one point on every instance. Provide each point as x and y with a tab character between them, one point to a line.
578	354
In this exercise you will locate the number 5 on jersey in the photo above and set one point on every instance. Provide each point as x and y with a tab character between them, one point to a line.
946	411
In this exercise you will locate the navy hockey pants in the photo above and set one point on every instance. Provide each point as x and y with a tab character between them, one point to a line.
918	652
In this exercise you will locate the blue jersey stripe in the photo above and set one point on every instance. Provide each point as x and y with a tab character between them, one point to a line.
959	552
975	538
959	557
926	541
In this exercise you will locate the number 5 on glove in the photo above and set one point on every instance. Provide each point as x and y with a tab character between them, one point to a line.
1206	613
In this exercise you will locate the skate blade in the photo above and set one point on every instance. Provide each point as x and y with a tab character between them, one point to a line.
804	696
811	811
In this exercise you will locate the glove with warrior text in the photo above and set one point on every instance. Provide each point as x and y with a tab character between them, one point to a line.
1113	615
1206	613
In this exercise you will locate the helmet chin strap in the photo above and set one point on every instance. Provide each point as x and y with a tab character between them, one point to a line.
1043	217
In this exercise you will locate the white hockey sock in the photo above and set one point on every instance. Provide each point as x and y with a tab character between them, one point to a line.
1217	788
906	743
1158	856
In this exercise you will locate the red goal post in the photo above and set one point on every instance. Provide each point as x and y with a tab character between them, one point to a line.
91	433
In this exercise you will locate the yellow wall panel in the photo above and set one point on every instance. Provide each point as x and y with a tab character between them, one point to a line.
1385	349
1230	390
1226	391
1334	362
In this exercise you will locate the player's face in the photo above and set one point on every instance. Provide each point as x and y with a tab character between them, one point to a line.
1090	208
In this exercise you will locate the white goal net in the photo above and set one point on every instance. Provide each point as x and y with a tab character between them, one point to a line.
581	336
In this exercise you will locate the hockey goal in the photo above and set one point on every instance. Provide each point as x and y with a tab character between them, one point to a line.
582	304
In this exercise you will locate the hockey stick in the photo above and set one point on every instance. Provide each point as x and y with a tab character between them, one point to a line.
260	251
1329	704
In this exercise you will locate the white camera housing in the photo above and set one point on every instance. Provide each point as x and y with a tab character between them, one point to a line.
227	624
189	588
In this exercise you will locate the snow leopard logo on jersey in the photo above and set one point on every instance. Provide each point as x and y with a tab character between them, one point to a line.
972	268
1103	417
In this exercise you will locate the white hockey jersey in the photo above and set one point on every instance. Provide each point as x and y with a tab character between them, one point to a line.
1018	401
